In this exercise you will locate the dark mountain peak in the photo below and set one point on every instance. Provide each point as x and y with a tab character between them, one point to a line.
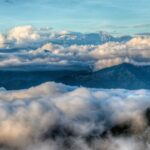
125	75
123	66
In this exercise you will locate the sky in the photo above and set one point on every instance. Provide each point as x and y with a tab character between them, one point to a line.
114	16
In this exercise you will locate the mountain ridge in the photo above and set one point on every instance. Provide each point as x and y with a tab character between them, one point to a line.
126	76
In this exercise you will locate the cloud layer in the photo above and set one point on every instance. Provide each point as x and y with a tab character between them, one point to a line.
54	116
28	36
26	46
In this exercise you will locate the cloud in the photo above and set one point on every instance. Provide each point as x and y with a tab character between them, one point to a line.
136	51
141	26
2	41
28	36
23	34
96	57
47	49
55	116
25	37
134	26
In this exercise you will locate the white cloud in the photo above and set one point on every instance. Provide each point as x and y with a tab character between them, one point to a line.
2	40
23	35
28	118
136	51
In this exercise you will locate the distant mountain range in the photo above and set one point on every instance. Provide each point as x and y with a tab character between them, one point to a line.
122	76
67	39
78	38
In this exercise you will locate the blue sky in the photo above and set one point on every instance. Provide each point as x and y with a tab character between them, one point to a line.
115	16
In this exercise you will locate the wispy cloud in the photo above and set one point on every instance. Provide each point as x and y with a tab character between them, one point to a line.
117	14
126	26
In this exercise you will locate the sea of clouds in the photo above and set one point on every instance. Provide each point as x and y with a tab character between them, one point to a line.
27	46
55	116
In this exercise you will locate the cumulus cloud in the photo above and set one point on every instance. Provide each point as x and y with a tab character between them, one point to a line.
2	41
25	36
22	35
55	116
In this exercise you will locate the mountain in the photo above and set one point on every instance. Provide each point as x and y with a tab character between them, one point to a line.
66	39
124	75
71	38
121	76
